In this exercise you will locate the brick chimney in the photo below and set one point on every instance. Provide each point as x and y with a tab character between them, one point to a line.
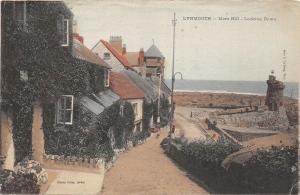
141	57
116	42
124	49
78	37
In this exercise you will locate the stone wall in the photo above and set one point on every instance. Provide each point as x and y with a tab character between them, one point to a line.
73	163
265	120
242	136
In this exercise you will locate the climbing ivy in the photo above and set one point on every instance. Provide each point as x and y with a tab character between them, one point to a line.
88	136
51	69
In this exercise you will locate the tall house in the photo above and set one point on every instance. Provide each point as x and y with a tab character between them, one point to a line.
154	61
274	97
36	43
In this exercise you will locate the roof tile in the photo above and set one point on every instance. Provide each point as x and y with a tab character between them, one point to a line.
124	87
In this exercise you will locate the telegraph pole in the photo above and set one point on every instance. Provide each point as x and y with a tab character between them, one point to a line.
158	104
173	76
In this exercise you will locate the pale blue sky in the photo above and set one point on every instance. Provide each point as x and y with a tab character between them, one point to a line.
205	50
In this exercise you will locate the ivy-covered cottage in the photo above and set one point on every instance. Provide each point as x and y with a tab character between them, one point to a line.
55	95
129	92
37	65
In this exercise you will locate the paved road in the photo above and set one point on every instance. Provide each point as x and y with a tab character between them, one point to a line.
145	169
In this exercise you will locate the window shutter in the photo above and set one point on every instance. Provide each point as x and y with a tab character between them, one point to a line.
60	28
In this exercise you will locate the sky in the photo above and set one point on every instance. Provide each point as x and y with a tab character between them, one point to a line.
245	49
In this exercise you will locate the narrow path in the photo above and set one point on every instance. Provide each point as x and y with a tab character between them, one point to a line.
186	128
145	169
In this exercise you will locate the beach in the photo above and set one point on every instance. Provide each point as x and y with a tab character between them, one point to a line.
231	100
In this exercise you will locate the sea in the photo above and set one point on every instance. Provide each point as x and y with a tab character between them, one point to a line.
238	87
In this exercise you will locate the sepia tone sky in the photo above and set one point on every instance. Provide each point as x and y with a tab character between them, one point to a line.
205	49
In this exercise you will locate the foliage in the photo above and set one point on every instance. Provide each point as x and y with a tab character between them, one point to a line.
147	115
22	124
124	125
164	111
209	155
19	183
51	69
267	171
88	136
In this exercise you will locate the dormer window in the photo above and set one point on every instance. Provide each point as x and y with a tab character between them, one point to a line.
106	78
63	30
106	56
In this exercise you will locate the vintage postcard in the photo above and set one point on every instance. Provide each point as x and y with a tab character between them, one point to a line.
174	97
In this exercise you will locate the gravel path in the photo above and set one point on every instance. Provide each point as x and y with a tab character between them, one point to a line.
186	128
145	169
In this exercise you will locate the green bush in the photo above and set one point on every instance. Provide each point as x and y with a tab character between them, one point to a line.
20	184
268	171
208	155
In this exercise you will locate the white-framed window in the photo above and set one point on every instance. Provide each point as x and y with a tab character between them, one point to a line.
121	110
106	78
65	37
106	56
64	114
63	30
135	108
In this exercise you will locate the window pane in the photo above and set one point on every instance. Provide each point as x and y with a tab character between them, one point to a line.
68	116
60	116
68	102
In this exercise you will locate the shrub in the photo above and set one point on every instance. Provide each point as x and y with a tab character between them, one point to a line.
20	184
268	171
208	156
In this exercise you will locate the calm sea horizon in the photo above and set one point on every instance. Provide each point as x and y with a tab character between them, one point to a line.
238	87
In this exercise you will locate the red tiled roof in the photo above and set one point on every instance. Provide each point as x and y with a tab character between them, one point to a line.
124	87
120	57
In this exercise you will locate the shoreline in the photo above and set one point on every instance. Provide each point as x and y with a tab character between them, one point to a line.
179	91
